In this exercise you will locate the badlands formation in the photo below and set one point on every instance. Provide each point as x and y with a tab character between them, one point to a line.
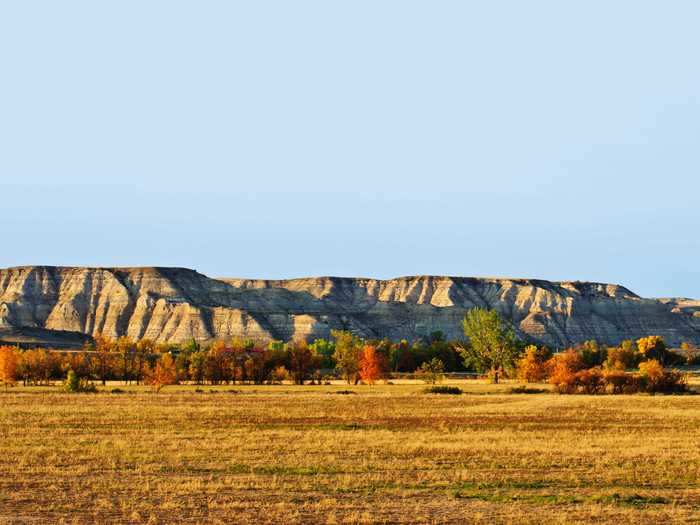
177	304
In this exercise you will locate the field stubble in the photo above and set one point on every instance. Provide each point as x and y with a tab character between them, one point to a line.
383	454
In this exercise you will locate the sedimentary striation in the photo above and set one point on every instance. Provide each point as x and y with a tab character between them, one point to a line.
177	304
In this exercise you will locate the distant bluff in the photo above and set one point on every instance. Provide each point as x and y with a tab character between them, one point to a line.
176	304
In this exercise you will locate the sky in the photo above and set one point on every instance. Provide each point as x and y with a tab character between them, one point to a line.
542	139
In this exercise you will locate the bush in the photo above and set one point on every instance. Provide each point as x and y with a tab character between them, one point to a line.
658	380
279	375
590	381
432	371
75	384
619	381
527	390
623	357
451	390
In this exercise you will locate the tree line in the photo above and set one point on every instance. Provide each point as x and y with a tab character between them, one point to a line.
490	347
235	360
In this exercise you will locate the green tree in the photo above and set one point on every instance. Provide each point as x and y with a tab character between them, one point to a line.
198	366
492	344
325	350
432	371
348	351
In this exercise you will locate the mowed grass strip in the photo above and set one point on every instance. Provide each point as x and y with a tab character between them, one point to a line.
386	454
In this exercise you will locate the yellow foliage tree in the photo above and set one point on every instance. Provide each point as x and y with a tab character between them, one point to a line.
9	363
531	366
653	347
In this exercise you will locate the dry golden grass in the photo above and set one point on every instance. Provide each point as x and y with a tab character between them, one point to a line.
385	454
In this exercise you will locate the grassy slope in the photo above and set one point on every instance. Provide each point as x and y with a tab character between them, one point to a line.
385	454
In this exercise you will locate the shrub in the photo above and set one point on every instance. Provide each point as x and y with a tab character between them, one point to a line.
617	380
692	358
439	389
527	390
658	380
432	371
590	381
75	384
279	375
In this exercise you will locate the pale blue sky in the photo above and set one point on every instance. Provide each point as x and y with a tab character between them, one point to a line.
556	140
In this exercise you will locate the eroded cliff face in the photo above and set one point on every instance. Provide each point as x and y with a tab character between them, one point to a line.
176	304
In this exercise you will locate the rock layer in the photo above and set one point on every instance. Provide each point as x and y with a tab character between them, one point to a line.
176	304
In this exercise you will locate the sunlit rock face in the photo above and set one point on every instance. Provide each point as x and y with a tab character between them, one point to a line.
177	304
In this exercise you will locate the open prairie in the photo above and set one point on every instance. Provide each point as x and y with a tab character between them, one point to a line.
380	454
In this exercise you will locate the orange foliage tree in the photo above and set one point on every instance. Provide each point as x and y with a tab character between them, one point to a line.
9	363
531	366
370	365
164	373
563	368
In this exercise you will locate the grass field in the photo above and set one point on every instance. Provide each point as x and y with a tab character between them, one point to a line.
382	454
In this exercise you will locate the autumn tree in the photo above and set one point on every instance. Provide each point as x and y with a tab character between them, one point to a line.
563	368
163	374
531	366
623	357
592	353
653	347
79	362
656	379
492	344
370	365
301	361
9	365
402	357
126	350
39	366
348	350
255	366
144	348
219	363
103	358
